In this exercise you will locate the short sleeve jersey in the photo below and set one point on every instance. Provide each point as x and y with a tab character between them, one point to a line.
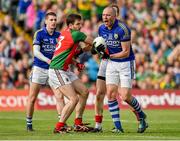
47	45
119	33
66	48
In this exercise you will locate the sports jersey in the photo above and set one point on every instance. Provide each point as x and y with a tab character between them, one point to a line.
66	48
119	33
47	45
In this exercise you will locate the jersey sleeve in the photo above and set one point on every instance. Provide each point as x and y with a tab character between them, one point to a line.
78	36
99	31
125	33
37	38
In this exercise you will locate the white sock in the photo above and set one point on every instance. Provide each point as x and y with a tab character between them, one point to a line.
98	125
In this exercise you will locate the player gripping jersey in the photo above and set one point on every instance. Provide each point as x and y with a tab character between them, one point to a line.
61	79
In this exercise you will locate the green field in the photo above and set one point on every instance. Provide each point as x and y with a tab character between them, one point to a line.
163	125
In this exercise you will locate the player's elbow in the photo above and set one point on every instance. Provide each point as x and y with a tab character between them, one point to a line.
126	54
36	53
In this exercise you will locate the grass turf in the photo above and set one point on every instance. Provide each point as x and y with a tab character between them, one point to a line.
163	125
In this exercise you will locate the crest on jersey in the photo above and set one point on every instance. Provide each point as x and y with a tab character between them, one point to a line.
115	36
51	41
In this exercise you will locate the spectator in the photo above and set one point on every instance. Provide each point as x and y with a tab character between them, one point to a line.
92	68
167	82
5	81
22	82
85	8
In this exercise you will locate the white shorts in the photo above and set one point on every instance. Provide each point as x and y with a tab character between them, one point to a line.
120	73
39	75
58	78
102	68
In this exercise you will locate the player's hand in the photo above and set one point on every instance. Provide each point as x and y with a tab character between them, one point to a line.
100	48
80	66
49	61
104	55
78	52
93	50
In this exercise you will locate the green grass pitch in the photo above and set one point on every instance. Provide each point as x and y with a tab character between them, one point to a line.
163	125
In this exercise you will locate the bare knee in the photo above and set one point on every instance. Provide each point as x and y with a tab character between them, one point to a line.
34	90
100	95
84	93
126	95
111	95
32	99
74	100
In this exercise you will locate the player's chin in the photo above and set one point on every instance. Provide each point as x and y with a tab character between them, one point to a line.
106	23
53	26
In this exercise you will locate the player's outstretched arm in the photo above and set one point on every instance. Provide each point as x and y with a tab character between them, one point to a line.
88	43
39	55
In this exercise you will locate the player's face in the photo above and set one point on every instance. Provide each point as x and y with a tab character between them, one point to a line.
51	22
77	25
108	17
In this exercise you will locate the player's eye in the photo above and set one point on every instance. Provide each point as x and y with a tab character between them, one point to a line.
106	15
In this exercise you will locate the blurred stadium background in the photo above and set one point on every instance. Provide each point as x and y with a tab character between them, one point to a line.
155	41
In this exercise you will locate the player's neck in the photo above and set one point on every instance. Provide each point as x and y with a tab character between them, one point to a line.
111	26
50	31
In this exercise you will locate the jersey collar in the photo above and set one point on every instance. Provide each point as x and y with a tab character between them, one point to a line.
114	25
45	29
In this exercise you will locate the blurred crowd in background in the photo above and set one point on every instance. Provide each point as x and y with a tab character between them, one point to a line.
155	38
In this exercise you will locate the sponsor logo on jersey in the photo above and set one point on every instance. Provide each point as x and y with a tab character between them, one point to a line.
113	43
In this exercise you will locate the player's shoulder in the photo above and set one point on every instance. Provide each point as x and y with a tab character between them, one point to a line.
39	31
102	26
123	25
123	28
56	33
76	32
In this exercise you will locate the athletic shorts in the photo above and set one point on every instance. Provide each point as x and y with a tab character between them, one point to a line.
120	73
39	75
58	77
102	69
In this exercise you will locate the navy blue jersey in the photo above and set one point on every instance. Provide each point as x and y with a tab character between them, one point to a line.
119	33
47	45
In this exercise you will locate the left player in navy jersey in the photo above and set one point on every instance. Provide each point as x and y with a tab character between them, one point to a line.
120	70
44	44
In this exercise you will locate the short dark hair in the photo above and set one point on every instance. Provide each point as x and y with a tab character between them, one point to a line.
116	7
71	18
50	14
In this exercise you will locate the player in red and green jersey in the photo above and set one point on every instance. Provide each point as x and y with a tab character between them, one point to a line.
65	82
66	48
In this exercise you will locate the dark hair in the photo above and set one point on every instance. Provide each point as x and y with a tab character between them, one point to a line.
116	7
50	13
71	18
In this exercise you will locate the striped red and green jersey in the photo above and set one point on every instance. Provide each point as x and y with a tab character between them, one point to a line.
66	47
